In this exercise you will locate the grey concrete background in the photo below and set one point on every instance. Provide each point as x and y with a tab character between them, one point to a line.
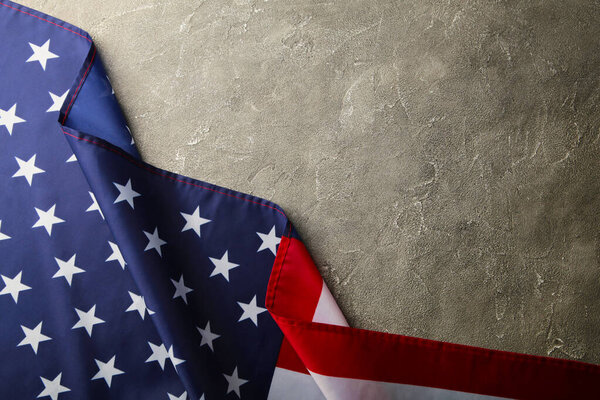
440	159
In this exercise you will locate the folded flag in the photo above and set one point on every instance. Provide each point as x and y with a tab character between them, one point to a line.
121	280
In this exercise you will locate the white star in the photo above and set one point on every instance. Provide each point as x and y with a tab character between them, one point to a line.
41	53
174	360
269	241
207	336
9	118
180	289
116	255
57	101
87	320
251	311
52	388
27	169
126	193
154	242
33	337
72	158
138	304
2	235
13	286
222	266
182	396
107	370
94	206
159	354
194	221
67	269
47	219
234	382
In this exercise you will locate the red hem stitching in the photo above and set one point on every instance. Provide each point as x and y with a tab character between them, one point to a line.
401	339
44	19
74	95
278	268
157	172
276	271
441	345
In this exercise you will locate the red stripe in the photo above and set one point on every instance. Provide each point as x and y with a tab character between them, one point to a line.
288	358
302	289
352	353
301	284
360	354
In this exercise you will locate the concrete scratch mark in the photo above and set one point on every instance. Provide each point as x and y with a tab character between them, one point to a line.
178	72
567	155
185	24
356	34
151	58
258	171
379	28
557	344
420	278
127	12
537	146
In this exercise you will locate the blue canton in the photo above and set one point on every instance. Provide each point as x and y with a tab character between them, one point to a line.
118	280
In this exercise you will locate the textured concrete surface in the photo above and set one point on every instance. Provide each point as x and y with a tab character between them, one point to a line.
441	159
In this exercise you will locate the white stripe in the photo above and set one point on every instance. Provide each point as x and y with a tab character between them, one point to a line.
292	385
327	310
336	388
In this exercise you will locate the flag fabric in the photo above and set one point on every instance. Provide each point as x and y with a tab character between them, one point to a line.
124	281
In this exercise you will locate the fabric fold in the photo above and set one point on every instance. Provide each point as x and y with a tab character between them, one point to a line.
160	283
349	363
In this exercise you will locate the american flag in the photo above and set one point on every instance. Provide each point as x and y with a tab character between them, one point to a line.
121	280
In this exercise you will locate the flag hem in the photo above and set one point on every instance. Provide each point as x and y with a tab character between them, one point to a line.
339	351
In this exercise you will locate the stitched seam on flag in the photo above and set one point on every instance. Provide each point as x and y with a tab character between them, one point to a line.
106	147
277	270
157	172
419	342
311	325
43	19
439	345
74	96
